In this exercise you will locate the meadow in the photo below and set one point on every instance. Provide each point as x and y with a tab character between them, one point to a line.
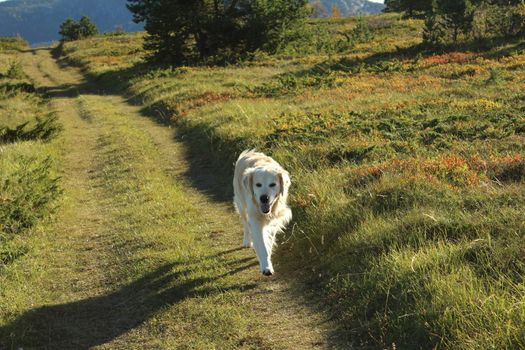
408	168
29	184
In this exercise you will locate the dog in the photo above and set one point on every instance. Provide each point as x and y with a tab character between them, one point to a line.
260	187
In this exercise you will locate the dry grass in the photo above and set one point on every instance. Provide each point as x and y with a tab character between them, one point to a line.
407	171
136	257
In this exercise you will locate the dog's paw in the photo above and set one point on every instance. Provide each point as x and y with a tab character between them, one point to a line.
247	245
267	272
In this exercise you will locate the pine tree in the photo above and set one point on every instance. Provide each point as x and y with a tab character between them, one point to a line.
72	30
181	31
87	27
69	30
457	15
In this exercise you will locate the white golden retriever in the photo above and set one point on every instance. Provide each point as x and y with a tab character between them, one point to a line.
260	187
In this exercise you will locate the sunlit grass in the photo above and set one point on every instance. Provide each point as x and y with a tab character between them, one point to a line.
407	169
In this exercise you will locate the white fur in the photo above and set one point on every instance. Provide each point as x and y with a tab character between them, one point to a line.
257	176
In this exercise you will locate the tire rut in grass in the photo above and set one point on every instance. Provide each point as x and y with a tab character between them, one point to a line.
148	260
287	316
83	255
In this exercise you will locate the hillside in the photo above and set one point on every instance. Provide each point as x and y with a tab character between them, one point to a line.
408	193
408	170
38	21
104	241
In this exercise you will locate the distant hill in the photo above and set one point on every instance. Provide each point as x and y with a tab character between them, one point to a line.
349	7
38	21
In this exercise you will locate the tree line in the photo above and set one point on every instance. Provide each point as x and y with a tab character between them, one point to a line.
448	21
219	31
182	31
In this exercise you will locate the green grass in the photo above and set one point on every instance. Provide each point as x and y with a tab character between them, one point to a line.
29	178
12	44
407	169
29	184
135	257
157	248
153	268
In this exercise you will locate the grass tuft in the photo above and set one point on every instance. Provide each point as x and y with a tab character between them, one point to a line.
407	169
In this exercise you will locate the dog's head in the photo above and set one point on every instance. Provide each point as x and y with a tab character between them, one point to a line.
267	186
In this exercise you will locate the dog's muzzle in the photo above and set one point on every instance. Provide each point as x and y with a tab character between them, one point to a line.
265	204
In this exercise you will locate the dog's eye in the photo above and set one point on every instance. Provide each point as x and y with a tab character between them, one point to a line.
258	185
272	185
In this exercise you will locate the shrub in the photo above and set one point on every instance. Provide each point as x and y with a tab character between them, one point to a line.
497	20
362	33
412	8
87	27
69	30
447	20
44	129
15	71
26	194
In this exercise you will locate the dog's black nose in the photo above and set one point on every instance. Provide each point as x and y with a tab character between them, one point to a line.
267	272
264	198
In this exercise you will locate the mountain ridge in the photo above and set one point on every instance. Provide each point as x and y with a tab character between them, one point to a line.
18	17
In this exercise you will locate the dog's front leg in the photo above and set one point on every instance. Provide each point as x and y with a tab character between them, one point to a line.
263	248
247	241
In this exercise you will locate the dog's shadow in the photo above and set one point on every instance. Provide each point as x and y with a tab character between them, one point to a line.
98	320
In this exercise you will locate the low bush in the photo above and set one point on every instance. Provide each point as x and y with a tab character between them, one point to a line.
27	193
71	30
44	129
15	71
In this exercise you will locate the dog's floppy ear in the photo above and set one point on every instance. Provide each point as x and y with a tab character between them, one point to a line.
284	179
247	180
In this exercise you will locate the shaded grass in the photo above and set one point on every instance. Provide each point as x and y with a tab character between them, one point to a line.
135	258
407	172
154	225
157	266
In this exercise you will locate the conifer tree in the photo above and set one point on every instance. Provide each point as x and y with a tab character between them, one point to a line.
69	30
182	31
72	30
87	27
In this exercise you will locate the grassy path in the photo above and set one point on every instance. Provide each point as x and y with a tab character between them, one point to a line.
136	257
